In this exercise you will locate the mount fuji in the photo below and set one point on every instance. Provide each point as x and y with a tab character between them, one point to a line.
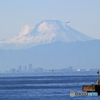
51	44
47	31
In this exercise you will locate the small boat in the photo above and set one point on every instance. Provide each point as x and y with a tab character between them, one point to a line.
92	87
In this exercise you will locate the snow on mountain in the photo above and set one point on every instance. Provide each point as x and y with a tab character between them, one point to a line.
47	31
55	30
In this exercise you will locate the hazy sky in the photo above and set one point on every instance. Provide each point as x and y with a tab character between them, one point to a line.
83	14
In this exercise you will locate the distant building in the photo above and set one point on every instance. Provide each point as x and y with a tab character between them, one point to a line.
78	69
87	69
12	70
82	69
74	69
39	69
64	70
70	68
30	67
19	69
24	68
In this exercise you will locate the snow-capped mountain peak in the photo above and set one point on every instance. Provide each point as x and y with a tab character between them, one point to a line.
47	31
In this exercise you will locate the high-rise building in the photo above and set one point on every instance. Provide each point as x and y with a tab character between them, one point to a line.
24	68
20	69
30	67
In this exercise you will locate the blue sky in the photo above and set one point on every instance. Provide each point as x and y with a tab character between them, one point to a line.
83	14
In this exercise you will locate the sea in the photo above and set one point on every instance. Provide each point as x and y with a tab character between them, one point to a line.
45	85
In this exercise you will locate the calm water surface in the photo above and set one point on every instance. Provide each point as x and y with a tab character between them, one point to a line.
44	86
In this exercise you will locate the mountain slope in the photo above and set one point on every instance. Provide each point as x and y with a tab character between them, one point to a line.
54	55
59	31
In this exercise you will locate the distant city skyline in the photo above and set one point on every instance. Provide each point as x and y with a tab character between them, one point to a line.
83	15
22	69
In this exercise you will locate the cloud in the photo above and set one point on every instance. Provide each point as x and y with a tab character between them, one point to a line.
21	38
25	30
